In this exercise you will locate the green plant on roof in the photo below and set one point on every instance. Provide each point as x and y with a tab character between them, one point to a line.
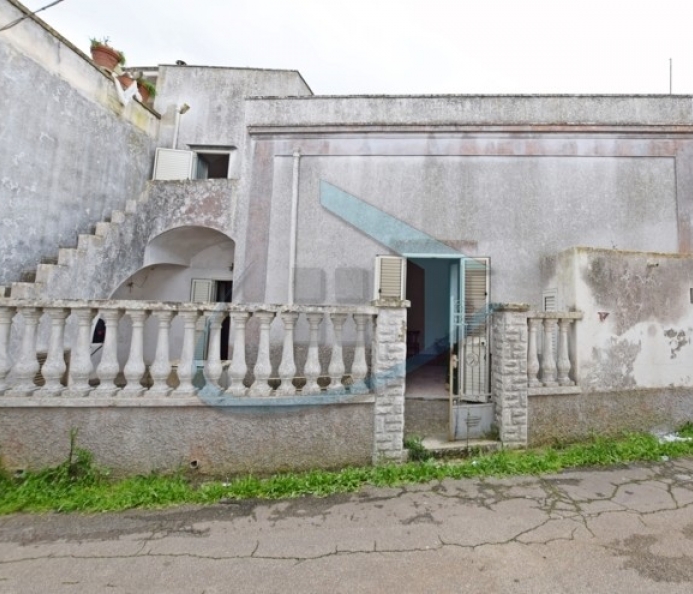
151	89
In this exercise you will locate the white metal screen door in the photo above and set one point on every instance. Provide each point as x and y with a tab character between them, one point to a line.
469	379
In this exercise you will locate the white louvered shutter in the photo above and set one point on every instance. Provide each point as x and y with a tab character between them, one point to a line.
550	300
202	291
390	277
170	164
476	315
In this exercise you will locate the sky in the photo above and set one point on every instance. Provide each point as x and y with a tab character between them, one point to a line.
359	47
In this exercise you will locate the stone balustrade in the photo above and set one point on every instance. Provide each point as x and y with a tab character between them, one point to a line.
69	368
551	364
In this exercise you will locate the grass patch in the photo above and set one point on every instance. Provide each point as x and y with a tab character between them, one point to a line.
78	485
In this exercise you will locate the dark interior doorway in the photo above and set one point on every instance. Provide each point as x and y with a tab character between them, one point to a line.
225	295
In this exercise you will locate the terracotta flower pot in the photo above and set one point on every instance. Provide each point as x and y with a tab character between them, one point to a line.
105	56
125	81
144	91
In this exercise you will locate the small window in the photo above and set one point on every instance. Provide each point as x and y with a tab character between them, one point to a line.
216	162
212	165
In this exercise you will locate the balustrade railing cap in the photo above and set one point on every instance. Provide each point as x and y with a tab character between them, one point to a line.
143	305
391	302
510	307
556	315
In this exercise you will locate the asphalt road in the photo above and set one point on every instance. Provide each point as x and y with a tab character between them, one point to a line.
624	530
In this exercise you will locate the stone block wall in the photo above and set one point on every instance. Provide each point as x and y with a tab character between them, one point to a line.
509	373
389	352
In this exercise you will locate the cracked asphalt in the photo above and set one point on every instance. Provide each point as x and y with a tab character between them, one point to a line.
622	530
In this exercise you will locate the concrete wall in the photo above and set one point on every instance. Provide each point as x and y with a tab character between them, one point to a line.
478	110
216	98
642	339
141	438
571	417
508	198
70	152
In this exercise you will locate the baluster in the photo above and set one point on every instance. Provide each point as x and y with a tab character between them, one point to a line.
532	356
54	367
213	368
108	368
263	366
134	368
6	315
161	368
27	366
287	368
80	357
336	368
238	367
563	364
186	364
359	368
548	362
312	367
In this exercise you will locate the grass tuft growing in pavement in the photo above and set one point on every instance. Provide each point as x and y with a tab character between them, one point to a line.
78	485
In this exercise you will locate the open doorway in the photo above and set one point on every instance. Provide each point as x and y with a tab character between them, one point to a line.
448	354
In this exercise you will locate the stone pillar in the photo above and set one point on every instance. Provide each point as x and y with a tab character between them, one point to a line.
509	373
388	374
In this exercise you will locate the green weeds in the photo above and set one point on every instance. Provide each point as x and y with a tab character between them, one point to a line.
78	485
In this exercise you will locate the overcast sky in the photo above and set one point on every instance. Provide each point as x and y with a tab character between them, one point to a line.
407	46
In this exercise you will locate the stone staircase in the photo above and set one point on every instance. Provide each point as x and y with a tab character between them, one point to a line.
54	272
114	250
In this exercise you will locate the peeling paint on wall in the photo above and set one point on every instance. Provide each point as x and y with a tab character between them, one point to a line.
611	366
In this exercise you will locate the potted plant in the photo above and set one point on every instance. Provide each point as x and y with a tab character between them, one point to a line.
146	89
104	55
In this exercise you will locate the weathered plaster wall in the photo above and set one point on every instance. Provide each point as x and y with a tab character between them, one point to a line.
514	209
571	417
216	99
111	259
69	152
482	110
143	438
642	339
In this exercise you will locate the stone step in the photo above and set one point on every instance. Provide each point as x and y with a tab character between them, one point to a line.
66	256
102	229
131	206
25	290
439	445
84	241
44	272
117	216
4	291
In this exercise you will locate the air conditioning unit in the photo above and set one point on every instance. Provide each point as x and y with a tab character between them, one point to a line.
173	164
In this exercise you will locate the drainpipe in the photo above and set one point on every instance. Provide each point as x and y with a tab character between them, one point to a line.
294	227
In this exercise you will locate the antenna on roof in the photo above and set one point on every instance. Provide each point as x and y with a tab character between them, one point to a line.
671	67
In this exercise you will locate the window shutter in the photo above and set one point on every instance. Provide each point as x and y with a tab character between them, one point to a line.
390	277
202	291
170	164
475	369
550	304
476	295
